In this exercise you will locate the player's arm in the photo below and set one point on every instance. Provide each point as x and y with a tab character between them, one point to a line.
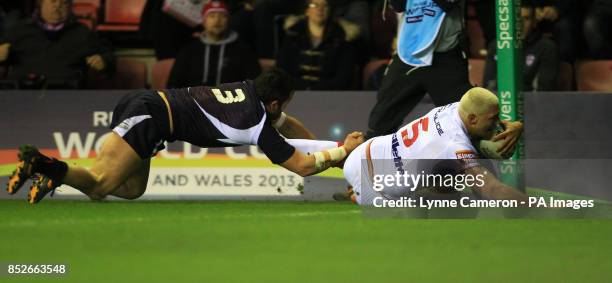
491	187
292	128
306	165
279	151
310	146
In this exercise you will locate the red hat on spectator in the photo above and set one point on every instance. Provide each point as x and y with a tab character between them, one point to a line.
214	6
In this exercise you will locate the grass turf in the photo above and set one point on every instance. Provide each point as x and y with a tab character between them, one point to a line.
207	241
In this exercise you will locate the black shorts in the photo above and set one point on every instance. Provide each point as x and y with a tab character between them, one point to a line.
141	119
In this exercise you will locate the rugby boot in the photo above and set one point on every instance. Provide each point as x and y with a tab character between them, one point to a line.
28	156
40	188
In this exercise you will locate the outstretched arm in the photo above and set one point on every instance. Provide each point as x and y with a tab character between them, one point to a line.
493	188
306	165
292	128
312	146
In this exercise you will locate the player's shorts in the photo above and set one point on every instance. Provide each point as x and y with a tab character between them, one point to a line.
141	118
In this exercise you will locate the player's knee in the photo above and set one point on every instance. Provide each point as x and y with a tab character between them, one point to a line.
95	197
101	190
129	191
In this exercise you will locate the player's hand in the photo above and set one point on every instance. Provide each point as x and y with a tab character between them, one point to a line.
96	62
510	136
353	140
4	51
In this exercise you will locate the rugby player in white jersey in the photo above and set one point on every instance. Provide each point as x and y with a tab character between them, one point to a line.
445	133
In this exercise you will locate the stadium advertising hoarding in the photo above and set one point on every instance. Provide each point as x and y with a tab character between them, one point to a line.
565	156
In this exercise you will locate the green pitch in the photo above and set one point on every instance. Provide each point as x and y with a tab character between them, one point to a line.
293	242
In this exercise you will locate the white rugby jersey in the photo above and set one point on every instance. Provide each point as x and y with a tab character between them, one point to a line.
440	134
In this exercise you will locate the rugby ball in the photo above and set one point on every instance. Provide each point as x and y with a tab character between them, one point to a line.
488	149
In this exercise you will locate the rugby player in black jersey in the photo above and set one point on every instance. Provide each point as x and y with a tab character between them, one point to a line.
240	113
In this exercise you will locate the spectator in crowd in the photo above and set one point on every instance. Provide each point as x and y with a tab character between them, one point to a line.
357	12
541	62
561	18
597	32
431	59
564	18
266	15
217	56
167	33
318	49
269	15
241	20
52	49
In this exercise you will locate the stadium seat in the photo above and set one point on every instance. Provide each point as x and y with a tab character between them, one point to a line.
370	68
160	73
130	74
565	78
121	15
86	13
476	71
95	3
594	75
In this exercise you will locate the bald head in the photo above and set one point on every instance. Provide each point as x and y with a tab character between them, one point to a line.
477	101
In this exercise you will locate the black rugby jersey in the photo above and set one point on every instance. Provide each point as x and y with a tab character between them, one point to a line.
226	115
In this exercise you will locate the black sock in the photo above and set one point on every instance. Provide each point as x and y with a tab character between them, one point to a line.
52	168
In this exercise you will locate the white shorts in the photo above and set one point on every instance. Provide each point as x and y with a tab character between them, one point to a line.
356	173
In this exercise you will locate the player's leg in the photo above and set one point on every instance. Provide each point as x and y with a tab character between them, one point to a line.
400	92
136	185
447	79
136	136
139	130
116	162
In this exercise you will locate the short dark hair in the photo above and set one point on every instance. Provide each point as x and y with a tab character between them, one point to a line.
275	84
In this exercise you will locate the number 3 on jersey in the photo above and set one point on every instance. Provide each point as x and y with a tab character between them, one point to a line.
229	96
408	141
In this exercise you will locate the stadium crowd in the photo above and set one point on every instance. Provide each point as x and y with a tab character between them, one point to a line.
323	44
